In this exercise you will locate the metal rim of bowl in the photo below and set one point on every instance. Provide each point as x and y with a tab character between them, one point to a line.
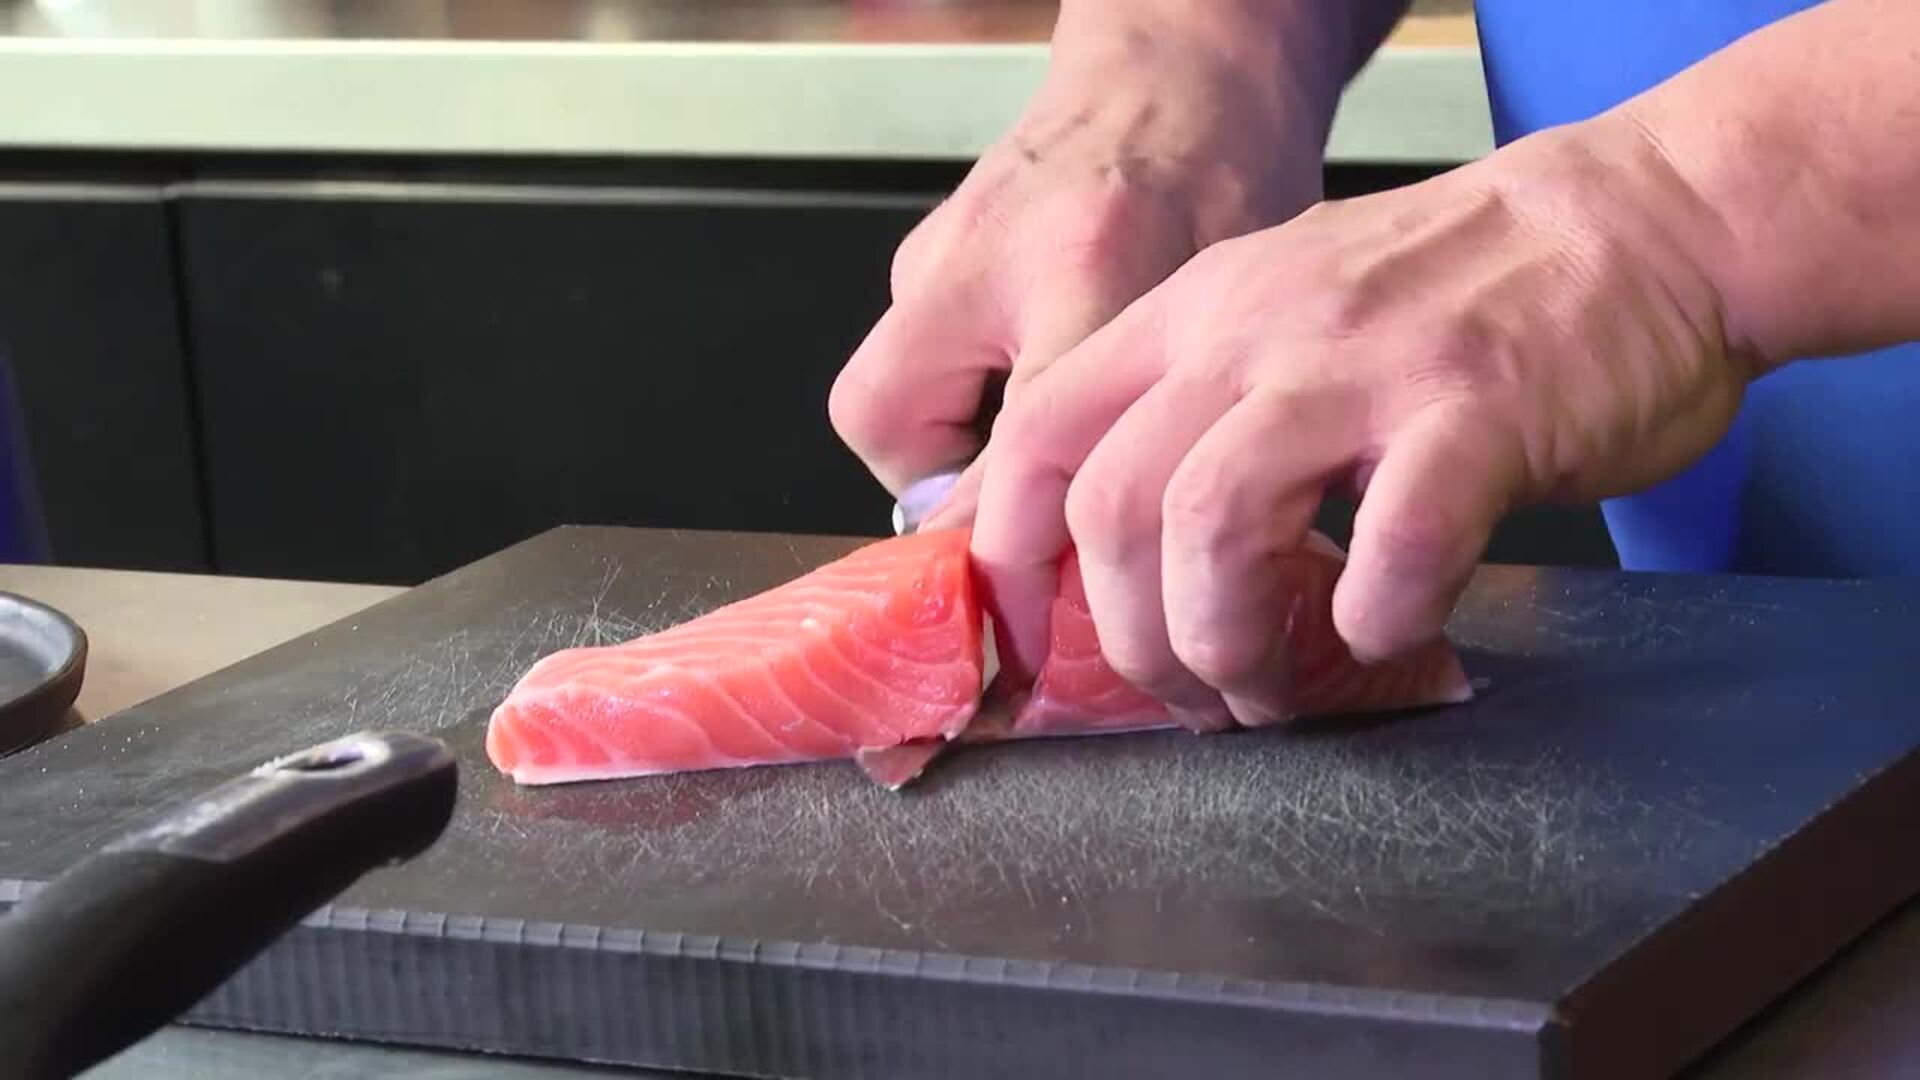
32	716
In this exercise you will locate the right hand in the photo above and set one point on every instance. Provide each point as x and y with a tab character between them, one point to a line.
1148	141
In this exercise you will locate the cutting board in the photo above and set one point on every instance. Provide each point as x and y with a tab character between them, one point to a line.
1673	797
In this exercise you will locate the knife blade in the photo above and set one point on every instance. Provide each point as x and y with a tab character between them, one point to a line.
921	498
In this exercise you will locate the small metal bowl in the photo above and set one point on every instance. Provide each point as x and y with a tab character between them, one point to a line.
43	660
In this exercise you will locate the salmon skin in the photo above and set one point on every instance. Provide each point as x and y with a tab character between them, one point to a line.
880	656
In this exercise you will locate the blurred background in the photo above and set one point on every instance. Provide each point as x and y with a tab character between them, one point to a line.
367	290
964	21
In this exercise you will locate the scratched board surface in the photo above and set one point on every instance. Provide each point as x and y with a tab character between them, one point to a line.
1638	741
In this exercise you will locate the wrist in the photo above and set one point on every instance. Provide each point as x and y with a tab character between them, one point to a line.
1287	59
1697	212
1798	144
1195	105
1609	190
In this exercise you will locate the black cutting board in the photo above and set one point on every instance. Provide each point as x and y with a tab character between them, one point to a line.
1673	797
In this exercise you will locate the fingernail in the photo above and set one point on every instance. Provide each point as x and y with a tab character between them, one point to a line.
1252	713
1271	698
1202	720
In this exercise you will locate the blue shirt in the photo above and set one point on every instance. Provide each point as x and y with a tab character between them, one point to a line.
1821	472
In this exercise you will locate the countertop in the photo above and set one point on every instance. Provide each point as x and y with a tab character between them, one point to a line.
824	79
148	633
151	632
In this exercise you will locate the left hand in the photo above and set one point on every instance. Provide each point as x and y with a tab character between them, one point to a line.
1533	326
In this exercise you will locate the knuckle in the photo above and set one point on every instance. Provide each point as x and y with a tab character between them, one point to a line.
1420	539
1231	203
1199	509
905	269
856	414
1447	367
1348	305
1214	510
1091	230
1149	670
1218	659
1472	350
1215	270
1107	516
912	254
968	217
1226	299
979	210
1430	380
1470	335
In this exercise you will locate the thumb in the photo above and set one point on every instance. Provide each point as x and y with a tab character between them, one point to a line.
1421	529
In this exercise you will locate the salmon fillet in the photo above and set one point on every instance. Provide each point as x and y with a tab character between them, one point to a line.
878	648
880	657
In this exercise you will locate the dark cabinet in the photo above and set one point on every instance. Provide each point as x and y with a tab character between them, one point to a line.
384	379
89	327
396	379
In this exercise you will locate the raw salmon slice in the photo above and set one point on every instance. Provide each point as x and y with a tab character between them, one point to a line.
879	657
876	649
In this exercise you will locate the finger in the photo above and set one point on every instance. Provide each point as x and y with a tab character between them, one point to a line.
1237	508
1421	528
905	402
1047	430
1114	517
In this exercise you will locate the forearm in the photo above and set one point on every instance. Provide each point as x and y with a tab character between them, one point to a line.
1307	49
1799	148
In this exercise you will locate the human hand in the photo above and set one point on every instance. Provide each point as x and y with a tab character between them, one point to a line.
1533	326
1152	137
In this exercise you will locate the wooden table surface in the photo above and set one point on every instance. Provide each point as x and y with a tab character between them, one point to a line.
152	632
148	633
